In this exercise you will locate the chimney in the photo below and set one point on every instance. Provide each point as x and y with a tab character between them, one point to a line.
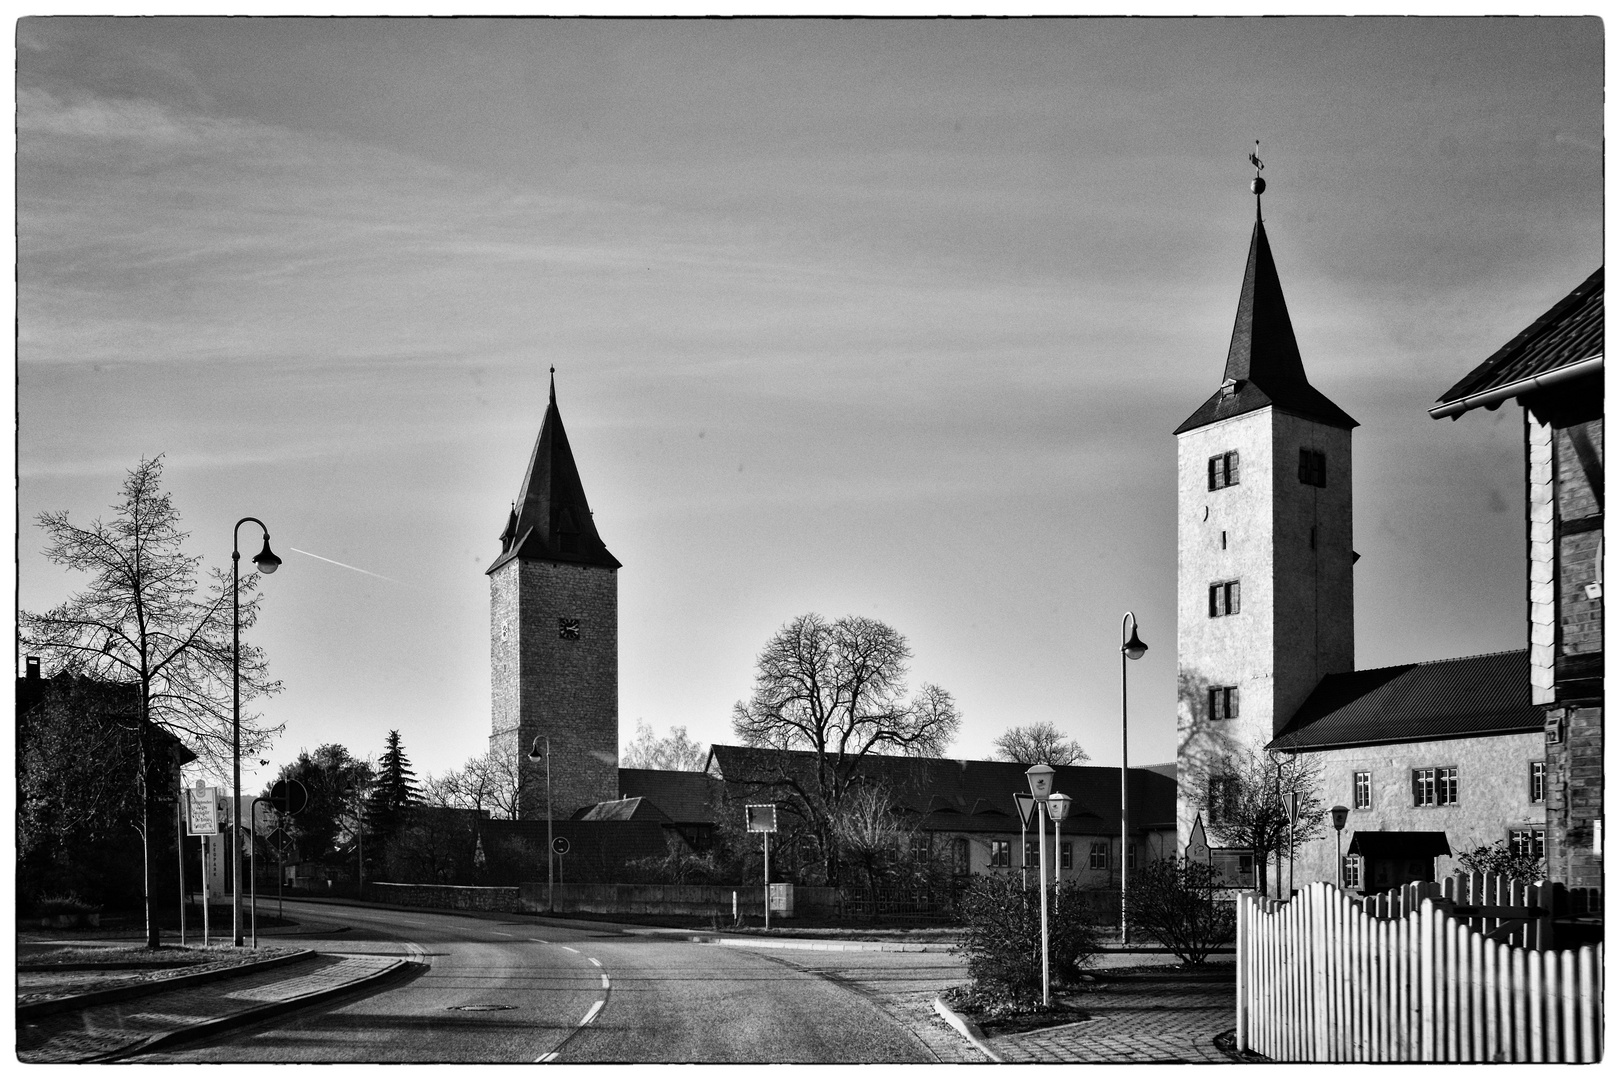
33	668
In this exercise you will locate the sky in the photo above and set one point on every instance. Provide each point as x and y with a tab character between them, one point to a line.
890	319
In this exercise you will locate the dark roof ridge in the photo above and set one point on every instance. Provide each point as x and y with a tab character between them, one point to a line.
1550	323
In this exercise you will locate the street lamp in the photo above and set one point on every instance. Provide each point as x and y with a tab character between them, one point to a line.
1040	786
267	562
1058	808
535	755
1340	815
1130	648
353	791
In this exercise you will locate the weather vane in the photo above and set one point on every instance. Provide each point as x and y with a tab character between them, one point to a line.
1257	185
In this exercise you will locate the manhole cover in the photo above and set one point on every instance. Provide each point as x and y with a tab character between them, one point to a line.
480	1008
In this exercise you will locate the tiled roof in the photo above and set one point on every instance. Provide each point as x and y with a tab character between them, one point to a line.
1441	699
1570	331
1263	366
551	519
636	809
953	795
687	797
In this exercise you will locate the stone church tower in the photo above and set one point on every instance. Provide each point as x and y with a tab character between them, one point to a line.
554	634
1265	603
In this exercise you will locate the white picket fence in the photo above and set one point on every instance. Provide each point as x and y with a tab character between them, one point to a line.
1521	913
1319	979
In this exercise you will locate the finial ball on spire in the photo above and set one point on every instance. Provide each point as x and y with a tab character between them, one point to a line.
1257	185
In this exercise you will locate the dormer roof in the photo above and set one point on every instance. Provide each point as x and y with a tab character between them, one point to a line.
1263	366
551	519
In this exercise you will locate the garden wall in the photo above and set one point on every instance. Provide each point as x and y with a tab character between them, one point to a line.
687	900
448	897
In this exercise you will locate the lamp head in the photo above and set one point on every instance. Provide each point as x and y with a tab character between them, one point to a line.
1040	781
1135	647
1057	807
1340	814
267	560
537	751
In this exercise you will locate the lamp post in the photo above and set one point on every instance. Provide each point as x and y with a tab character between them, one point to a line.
267	561
355	792
1340	815
1058	808
1040	786
535	755
1130	648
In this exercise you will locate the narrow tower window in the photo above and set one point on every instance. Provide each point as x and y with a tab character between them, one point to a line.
1224	598
1223	470
1312	467
1223	702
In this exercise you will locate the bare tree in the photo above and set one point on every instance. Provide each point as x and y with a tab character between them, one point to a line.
838	691
1040	743
490	781
677	750
141	622
1245	795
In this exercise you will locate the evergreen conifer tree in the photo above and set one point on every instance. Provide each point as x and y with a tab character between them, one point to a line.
394	789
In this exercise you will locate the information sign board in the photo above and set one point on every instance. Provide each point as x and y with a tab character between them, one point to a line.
202	812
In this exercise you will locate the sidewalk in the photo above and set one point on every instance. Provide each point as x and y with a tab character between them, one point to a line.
109	1030
1167	1016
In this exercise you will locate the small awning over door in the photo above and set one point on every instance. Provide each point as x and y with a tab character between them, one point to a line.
1399	845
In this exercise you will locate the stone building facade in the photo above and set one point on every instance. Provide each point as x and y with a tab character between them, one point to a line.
554	643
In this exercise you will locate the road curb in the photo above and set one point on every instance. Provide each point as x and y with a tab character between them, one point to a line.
273	1008
34	1010
970	1031
823	946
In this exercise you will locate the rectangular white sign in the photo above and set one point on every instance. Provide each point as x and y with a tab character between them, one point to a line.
202	812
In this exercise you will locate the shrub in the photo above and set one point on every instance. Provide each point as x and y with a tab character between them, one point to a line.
1001	938
1176	904
1498	859
63	904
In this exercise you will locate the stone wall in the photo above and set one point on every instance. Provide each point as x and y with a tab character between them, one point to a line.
699	901
447	897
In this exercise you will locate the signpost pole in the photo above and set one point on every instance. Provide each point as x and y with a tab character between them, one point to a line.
180	849
1046	951
205	889
767	837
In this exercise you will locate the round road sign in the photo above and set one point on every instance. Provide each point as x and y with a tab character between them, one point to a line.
289	796
560	845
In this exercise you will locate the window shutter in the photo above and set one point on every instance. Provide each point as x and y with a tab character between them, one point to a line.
1232	601
1214	480
1231	702
1214	600
1231	468
1304	465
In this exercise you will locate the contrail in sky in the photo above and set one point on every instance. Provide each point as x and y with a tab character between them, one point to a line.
345	565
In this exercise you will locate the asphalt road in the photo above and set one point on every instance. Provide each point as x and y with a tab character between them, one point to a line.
517	989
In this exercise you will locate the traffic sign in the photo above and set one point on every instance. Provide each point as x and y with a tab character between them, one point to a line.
560	845
1026	806
202	812
289	796
1293	807
760	817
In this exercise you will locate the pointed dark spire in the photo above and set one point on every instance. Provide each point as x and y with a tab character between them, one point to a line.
551	518
1263	365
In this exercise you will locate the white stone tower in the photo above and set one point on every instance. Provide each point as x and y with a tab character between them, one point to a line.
1265	602
554	635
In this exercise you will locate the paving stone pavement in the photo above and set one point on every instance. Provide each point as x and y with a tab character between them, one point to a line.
101	1030
1164	1016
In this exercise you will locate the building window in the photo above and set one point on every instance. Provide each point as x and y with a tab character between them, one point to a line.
1223	703
1445	786
1531	842
960	856
1352	871
1538	781
1363	791
1130	856
1032	853
1099	854
1223	470
1067	857
1224	598
1001	853
1422	787
1221	798
1312	467
922	848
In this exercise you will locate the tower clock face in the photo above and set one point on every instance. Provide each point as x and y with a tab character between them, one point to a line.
568	629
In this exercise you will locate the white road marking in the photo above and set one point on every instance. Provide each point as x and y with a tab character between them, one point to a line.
503	933
594	960
567	949
605	984
596	1008
543	1058
541	941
